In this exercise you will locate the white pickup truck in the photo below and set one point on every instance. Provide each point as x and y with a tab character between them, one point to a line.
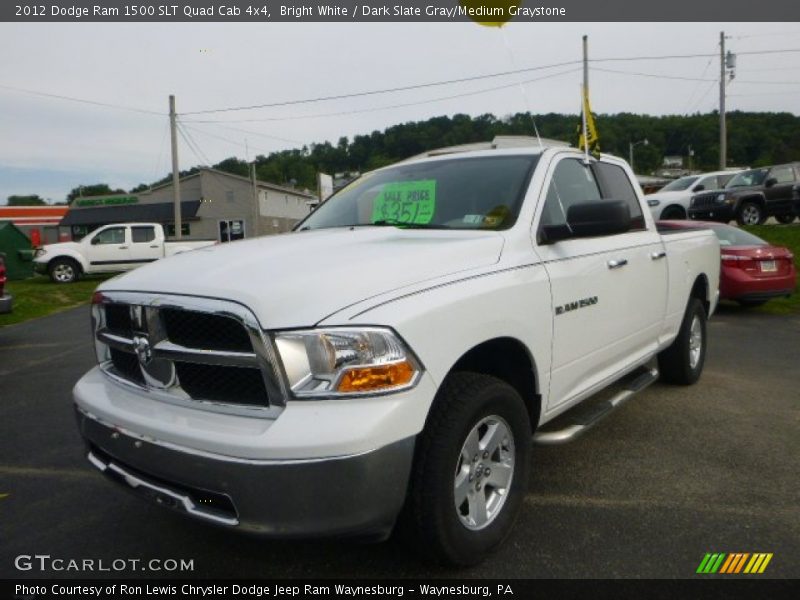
394	358
109	249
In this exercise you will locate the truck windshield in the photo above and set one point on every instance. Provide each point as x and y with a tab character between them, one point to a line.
748	178
464	193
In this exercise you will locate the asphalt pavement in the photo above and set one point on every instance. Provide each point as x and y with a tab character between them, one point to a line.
676	473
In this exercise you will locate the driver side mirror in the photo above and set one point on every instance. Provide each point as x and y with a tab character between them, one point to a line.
95	241
770	182
590	219
699	188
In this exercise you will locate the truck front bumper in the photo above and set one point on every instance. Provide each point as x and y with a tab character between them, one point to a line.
723	213
359	495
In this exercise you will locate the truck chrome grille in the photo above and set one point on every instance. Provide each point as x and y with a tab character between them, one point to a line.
202	330
204	353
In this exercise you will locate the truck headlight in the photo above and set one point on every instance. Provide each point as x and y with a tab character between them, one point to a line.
720	198
346	361
653	202
39	252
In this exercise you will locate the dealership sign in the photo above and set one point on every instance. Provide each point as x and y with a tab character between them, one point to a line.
106	201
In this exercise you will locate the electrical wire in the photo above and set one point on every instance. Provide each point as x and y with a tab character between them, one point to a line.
223	139
472	78
193	146
387	107
81	100
680	78
383	91
697	87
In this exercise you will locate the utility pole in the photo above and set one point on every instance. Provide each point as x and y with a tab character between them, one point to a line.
256	209
723	134
176	183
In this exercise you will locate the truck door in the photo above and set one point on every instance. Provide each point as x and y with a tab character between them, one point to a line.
109	249
600	286
145	245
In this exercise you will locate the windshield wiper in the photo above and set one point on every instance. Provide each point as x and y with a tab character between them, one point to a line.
403	225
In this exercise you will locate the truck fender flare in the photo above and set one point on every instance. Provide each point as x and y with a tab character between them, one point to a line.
79	259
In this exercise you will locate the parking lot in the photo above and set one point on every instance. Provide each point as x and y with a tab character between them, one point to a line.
676	473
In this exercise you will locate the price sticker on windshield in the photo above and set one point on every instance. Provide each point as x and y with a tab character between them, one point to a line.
406	202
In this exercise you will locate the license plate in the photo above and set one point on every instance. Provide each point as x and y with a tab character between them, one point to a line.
768	266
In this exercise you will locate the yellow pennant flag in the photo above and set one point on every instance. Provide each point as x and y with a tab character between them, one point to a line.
591	141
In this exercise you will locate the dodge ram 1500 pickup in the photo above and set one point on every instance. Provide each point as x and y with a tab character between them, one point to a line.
118	247
395	357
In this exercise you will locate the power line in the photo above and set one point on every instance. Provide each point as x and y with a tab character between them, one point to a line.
81	100
657	75
193	146
383	91
386	107
697	86
206	133
662	76
257	133
472	78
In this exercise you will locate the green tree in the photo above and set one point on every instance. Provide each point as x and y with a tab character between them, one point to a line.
95	189
31	200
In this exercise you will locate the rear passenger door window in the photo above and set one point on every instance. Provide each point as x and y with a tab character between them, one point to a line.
572	183
782	174
617	186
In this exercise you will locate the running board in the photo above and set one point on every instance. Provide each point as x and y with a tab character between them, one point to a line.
582	418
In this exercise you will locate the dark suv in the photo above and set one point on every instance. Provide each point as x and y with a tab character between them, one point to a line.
750	197
5	299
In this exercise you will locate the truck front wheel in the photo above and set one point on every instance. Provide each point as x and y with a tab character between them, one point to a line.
682	363
471	470
63	270
750	213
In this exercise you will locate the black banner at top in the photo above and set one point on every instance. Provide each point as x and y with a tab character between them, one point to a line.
487	12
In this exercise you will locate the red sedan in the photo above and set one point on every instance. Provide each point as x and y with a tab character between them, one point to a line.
753	271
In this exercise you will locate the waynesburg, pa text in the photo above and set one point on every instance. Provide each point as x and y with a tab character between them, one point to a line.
251	590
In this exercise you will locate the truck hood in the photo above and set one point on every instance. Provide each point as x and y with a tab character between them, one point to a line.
666	197
298	279
52	250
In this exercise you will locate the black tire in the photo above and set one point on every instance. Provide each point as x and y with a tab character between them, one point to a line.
63	270
433	523
673	213
784	219
676	364
751	303
750	213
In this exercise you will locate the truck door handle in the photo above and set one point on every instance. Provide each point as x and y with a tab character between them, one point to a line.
122	247
617	263
658	255
154	246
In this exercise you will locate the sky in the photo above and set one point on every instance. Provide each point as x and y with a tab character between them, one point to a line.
49	146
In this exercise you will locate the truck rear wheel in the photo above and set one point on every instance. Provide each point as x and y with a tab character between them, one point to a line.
63	270
470	471
682	363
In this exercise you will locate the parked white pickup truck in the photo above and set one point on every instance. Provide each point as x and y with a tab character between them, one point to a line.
109	249
396	355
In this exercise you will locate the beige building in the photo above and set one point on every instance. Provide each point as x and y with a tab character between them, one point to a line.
214	205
